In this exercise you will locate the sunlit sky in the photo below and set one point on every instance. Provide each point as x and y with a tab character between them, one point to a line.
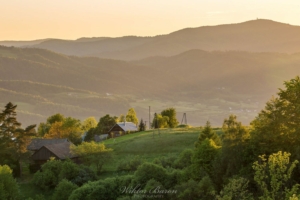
72	19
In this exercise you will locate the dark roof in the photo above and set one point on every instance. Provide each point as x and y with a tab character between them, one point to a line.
37	143
61	150
126	126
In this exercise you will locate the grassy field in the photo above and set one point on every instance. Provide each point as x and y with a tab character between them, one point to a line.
149	145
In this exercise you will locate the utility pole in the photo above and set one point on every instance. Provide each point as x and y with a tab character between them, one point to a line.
184	119
149	117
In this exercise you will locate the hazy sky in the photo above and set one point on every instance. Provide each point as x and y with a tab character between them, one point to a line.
71	19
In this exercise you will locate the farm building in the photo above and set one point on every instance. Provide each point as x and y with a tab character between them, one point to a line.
60	151
44	149
122	128
37	143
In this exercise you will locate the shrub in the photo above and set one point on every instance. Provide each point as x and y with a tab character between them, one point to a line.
48	177
131	164
8	185
84	175
166	161
69	170
195	190
109	189
63	190
184	159
54	171
236	189
149	171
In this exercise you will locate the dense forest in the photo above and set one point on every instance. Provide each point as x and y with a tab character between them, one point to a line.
260	161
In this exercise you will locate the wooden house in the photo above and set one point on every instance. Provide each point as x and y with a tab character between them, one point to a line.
44	149
60	151
37	143
122	128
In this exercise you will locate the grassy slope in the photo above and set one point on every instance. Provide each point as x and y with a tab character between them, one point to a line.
150	145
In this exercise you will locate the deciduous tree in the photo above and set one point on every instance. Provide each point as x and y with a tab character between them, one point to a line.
171	114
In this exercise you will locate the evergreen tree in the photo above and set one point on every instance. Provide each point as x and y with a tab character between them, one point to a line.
142	125
208	133
13	139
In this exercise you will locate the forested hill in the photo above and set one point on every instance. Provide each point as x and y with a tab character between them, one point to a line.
206	85
254	36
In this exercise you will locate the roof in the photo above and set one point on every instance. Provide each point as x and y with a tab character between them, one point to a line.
61	150
37	143
98	138
126	126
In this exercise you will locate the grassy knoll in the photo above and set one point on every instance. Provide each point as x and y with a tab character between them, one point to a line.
149	145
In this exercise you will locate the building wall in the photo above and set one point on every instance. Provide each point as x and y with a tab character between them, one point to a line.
42	154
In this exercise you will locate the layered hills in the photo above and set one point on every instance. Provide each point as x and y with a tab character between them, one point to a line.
254	36
205	85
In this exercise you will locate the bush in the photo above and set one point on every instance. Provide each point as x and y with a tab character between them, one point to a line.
236	189
54	171
48	177
195	190
8	185
69	170
109	189
149	171
63	190
184	159
166	161
84	175
130	165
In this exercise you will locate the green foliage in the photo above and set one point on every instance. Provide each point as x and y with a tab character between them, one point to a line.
208	132
48	177
195	190
13	139
272	176
276	128
108	189
130	164
152	184
234	131
121	118
8	185
171	114
69	170
105	124
58	126
160	121
63	190
148	171
90	135
142	125
165	161
236	156
185	159
131	116
89	123
203	158
55	118
93	153
85	174
236	189
53	171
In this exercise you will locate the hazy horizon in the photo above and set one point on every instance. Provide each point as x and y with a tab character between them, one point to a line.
32	20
